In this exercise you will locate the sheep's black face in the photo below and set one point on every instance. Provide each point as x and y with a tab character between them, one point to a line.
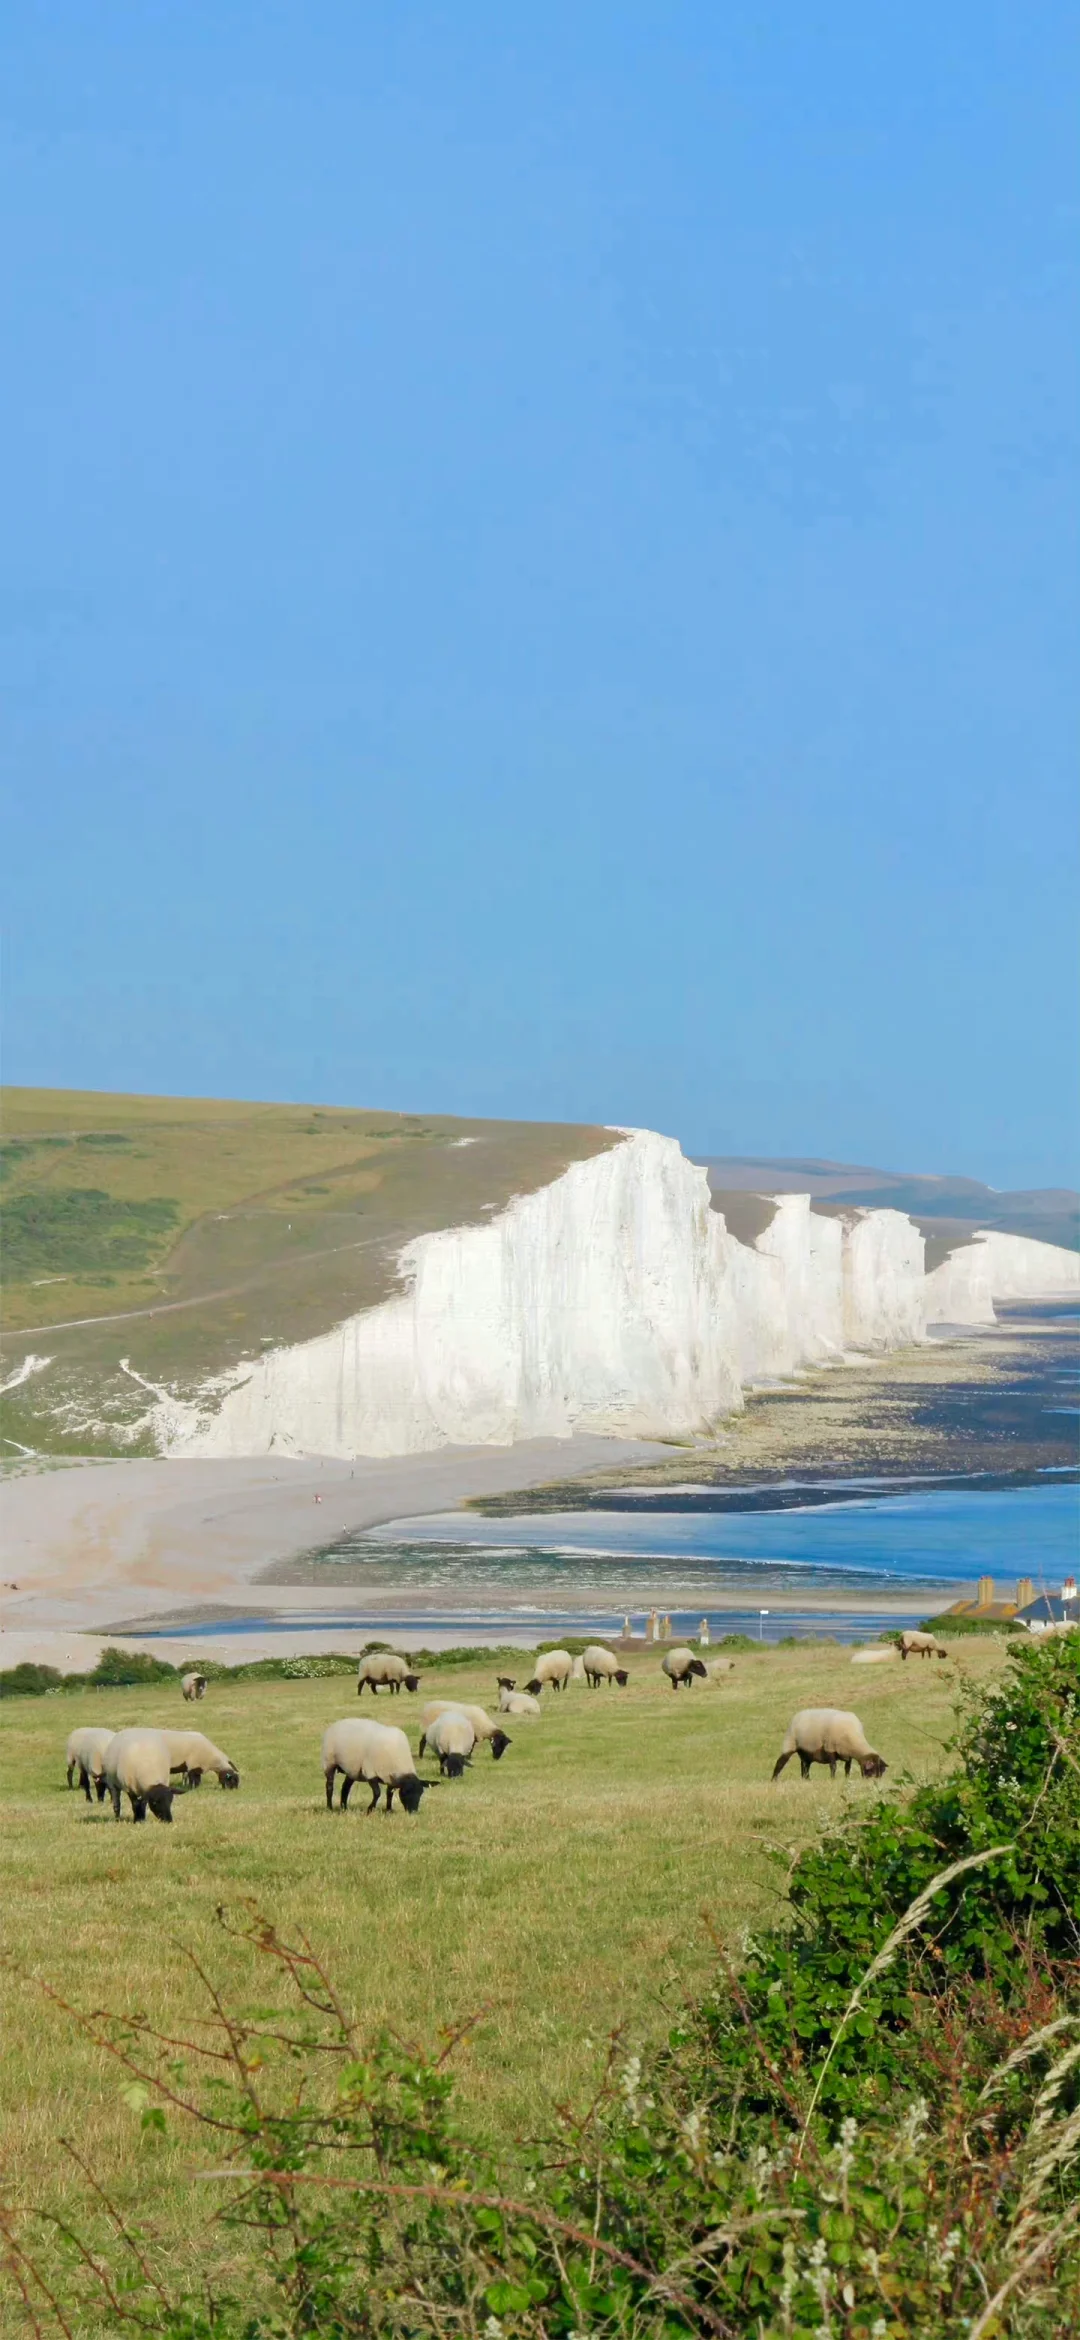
160	1800
411	1790
412	1681
506	1681
622	1677
534	1687
499	1743
874	1767
453	1766
229	1778
697	1668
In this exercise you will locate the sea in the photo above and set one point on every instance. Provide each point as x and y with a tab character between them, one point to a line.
844	1559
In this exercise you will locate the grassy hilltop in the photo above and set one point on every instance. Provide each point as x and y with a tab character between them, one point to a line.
561	1891
185	1233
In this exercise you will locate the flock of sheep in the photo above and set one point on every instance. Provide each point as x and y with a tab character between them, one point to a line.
144	1764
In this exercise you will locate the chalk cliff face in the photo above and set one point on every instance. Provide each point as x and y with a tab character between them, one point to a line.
600	1302
615	1300
963	1289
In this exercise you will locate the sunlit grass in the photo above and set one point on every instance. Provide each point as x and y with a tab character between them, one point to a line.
557	1894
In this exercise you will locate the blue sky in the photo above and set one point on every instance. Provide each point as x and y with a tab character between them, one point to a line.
539	546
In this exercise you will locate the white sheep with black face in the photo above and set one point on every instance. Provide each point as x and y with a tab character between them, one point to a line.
193	1753
484	1729
555	1667
519	1702
385	1669
602	1665
922	1645
193	1686
451	1737
136	1764
376	1752
681	1666
832	1735
86	1755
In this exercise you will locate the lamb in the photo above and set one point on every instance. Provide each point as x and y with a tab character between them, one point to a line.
720	1667
601	1665
482	1724
921	1645
136	1764
376	1752
556	1667
519	1702
873	1657
680	1665
829	1734
385	1669
192	1753
193	1685
85	1752
452	1738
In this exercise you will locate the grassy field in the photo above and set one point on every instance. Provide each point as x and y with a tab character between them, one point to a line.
210	1229
563	1890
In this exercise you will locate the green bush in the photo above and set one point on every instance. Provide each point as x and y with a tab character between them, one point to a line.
52	1229
955	1628
29	1681
124	1668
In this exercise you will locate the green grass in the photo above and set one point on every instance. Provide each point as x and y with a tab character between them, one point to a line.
563	1891
241	1225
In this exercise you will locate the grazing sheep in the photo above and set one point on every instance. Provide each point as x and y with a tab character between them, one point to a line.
556	1666
192	1753
482	1724
921	1645
873	1657
385	1669
519	1702
828	1734
602	1665
85	1754
193	1685
680	1665
452	1738
136	1765
721	1666
376	1752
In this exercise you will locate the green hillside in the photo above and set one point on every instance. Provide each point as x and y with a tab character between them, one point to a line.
185	1233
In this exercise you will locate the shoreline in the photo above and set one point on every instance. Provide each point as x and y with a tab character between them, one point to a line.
119	1550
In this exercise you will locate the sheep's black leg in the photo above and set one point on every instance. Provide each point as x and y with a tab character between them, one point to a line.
376	1789
84	1783
115	1793
346	1790
805	1762
330	1778
389	1799
194	1779
70	1769
832	1767
847	1767
138	1807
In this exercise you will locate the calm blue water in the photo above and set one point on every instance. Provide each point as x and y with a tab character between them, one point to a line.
584	1571
874	1543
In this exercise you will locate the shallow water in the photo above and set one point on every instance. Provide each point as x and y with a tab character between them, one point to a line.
587	1570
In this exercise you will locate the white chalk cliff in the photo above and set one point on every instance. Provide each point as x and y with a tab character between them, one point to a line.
964	1287
615	1300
